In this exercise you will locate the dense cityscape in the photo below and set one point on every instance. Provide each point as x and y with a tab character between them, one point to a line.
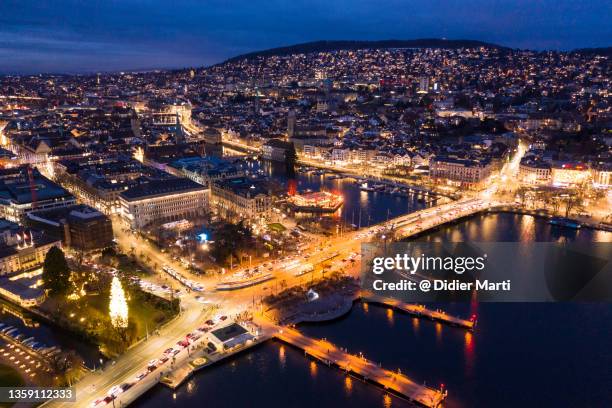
171	219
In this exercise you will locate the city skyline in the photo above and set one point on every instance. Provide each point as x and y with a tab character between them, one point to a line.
67	37
340	204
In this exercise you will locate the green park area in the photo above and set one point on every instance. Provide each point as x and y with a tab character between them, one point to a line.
104	306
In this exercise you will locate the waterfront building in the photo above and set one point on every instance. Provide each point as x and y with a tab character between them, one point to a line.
601	174
569	173
205	170
462	172
275	149
22	254
534	171
243	198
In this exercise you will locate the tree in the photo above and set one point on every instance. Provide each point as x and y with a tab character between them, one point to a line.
572	200
56	273
522	195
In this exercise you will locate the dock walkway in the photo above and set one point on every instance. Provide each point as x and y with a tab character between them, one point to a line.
330	354
420	310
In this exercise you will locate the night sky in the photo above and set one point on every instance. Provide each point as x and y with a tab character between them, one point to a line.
108	35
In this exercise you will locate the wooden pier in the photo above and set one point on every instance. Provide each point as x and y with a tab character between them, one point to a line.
420	311
395	382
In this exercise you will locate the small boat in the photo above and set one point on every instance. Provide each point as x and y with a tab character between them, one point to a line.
565	222
365	187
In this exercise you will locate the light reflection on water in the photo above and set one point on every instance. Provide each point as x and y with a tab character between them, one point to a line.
515	346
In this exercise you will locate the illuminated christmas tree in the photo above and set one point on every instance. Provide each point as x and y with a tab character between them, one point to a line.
118	305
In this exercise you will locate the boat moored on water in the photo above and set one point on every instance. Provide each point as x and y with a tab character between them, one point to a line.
565	222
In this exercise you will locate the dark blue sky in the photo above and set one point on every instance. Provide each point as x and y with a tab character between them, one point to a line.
102	35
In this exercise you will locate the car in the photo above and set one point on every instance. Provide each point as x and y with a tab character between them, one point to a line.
183	343
168	350
114	391
223	318
126	386
175	352
203	329
141	376
210	322
98	403
152	366
164	359
211	346
108	399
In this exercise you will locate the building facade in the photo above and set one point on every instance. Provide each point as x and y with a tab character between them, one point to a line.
242	198
162	201
464	172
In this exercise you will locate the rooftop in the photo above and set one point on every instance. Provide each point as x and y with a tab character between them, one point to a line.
159	188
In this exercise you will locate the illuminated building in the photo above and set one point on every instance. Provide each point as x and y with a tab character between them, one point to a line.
162	201
601	175
423	84
534	172
241	197
26	190
22	254
569	173
461	172
176	113
317	202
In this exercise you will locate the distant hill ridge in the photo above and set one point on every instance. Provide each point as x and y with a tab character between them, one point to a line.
326	46
595	51
337	45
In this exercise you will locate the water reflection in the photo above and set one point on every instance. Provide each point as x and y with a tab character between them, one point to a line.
387	401
313	369
282	358
348	384
469	353
390	317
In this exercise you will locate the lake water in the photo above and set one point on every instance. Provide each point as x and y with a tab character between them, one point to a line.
548	355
